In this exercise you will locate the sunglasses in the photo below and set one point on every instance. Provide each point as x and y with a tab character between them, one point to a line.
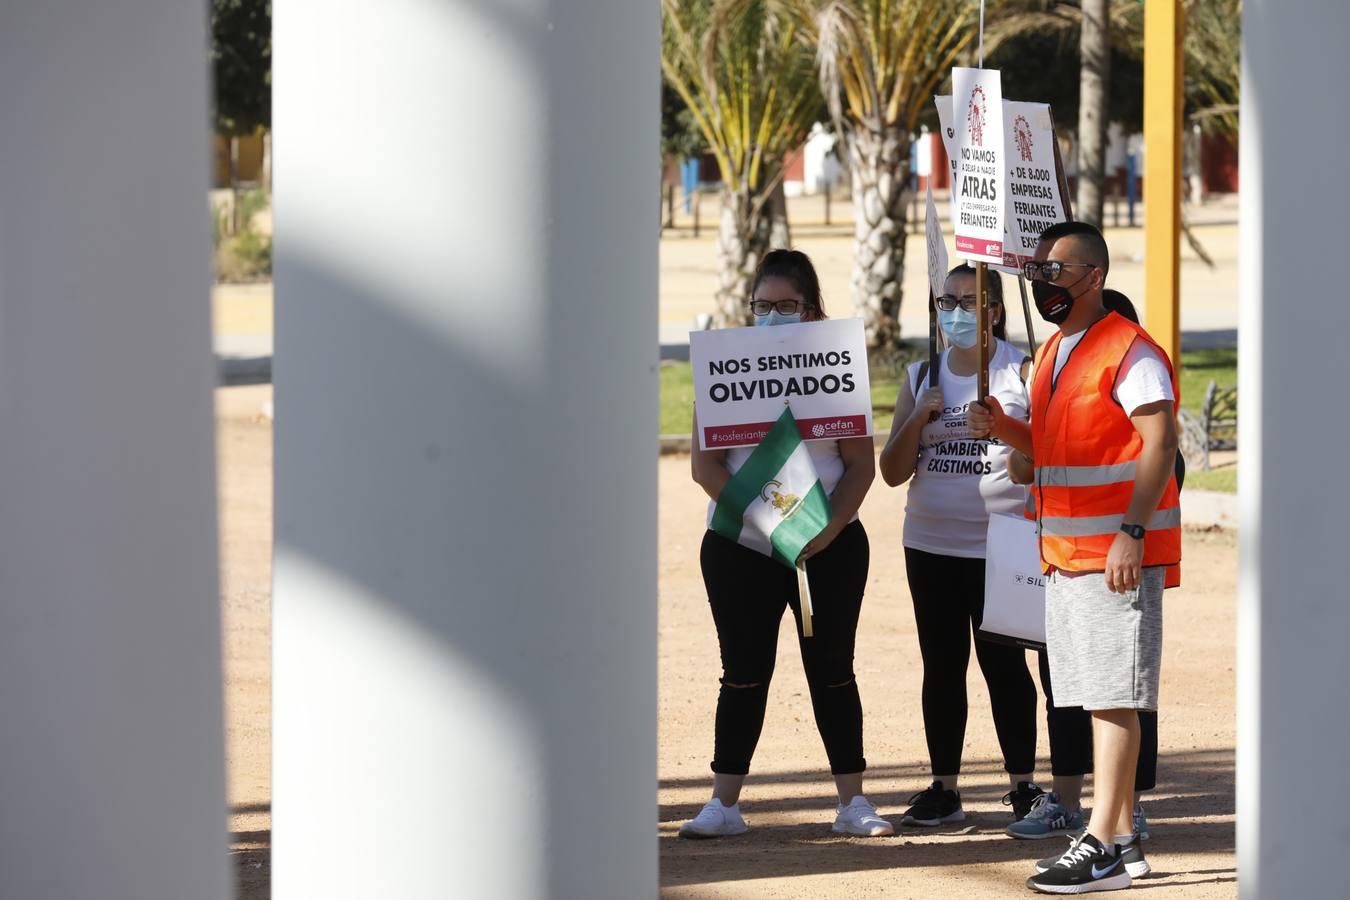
1049	271
784	307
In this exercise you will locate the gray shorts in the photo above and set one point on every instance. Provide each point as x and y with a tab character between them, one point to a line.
1105	649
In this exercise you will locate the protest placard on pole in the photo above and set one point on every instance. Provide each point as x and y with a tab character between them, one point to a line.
980	177
743	377
1034	196
937	276
937	247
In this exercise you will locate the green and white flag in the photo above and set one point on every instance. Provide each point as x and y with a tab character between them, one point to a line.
775	503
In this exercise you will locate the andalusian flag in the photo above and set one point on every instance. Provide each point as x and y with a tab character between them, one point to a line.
774	503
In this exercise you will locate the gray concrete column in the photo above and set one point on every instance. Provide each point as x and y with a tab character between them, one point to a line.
111	742
465	588
1294	619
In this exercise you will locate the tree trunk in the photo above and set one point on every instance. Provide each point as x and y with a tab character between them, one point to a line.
1095	52
780	235
742	238
879	177
267	161
234	184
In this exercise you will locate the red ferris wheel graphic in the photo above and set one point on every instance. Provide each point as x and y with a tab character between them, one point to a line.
975	114
1022	137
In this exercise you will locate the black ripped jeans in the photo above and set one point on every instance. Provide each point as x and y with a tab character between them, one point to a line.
948	593
748	593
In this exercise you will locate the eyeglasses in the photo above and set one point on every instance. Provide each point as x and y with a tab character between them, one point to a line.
949	302
1050	270
784	307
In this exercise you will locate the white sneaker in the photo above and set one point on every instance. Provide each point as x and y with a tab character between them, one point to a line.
715	820
860	817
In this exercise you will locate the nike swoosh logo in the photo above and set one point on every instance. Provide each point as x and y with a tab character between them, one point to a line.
1098	873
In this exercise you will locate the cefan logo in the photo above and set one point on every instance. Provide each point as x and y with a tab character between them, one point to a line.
1022	137
975	114
818	430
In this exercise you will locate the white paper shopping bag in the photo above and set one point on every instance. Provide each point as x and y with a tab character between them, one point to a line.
1014	588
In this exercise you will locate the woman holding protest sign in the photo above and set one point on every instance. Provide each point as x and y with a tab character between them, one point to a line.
748	592
956	481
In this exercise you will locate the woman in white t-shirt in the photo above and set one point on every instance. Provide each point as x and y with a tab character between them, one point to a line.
956	481
748	593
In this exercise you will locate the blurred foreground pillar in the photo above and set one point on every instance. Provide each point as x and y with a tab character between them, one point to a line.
465	580
1294	620
111	741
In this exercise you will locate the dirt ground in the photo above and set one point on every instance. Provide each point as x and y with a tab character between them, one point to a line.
790	851
244	461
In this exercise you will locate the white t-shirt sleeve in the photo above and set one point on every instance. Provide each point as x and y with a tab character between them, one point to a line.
1143	379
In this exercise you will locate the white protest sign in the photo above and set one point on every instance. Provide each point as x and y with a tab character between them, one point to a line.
744	376
977	189
937	247
1032	195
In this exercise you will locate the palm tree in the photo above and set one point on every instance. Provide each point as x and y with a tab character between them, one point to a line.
1101	26
1094	47
746	71
1214	71
880	63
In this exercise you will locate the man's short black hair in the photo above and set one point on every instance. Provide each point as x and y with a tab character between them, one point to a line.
1088	235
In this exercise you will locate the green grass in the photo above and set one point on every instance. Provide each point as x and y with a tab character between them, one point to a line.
1198	369
677	398
1224	480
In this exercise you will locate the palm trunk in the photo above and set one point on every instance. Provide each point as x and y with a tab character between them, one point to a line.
879	160
743	237
1095	52
780	235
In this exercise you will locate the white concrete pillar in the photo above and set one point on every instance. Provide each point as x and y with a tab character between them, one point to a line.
1294	619
465	594
112	777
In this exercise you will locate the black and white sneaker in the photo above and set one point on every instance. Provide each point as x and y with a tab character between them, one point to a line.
1021	799
1132	852
1086	867
934	806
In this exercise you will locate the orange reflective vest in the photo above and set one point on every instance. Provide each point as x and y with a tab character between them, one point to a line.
1086	451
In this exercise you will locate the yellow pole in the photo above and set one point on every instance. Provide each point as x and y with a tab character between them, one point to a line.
1164	27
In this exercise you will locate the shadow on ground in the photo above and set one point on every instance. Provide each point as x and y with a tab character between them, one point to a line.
1195	789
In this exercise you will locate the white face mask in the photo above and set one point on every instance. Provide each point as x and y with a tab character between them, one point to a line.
776	318
961	327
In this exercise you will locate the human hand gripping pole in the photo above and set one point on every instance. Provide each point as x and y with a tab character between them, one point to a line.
813	546
987	419
983	417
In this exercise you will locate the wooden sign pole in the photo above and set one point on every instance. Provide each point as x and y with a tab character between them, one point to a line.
982	323
933	355
804	595
1026	312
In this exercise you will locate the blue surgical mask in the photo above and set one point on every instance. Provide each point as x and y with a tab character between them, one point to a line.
961	327
776	318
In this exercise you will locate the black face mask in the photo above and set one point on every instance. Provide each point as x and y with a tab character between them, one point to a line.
1053	301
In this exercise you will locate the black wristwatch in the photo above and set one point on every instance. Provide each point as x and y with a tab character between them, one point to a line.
1134	531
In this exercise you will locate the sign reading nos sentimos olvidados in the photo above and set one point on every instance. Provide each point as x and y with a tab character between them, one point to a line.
744	376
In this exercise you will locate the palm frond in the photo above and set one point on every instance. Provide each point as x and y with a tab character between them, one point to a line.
879	58
745	69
